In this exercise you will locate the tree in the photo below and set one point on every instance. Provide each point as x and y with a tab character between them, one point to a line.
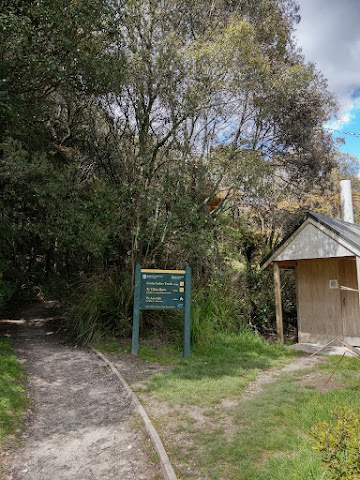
123	121
55	64
210	78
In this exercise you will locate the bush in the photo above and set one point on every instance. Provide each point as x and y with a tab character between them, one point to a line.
7	291
213	310
99	306
338	442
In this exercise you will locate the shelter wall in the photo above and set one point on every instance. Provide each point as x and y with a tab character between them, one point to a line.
326	313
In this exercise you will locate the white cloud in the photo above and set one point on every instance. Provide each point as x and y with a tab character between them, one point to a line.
341	121
329	36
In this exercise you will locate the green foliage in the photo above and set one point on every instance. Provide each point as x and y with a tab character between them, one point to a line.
101	305
13	398
263	301
7	290
122	121
51	223
98	307
338	443
215	309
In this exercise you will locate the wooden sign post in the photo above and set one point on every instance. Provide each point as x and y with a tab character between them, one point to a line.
162	290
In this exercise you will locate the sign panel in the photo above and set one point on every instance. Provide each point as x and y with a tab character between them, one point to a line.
162	290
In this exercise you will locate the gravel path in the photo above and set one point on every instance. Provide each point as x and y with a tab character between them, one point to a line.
81	421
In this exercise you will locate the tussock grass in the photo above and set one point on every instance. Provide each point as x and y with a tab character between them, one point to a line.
98	308
13	398
214	310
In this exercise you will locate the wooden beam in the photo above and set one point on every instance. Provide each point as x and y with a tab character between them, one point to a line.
278	305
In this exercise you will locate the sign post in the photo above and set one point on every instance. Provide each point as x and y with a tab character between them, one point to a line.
136	314
187	313
162	290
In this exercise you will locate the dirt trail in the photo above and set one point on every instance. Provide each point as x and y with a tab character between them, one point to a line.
81	422
299	363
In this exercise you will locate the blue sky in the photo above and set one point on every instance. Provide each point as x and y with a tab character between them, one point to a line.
329	35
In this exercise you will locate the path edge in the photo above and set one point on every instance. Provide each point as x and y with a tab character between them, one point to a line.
166	466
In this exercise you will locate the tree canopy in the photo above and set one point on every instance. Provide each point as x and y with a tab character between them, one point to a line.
148	131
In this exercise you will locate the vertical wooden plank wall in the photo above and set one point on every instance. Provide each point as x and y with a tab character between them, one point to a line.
320	307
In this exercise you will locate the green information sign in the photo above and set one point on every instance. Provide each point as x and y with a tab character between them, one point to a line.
162	290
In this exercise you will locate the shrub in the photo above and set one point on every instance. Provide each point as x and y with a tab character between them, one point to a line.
99	306
7	291
213	310
338	442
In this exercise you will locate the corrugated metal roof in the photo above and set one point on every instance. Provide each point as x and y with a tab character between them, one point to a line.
350	232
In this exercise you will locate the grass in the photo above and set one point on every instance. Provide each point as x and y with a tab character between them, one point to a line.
111	346
13	399
272	440
221	369
265	437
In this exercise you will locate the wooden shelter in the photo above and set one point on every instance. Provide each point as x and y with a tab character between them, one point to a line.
325	254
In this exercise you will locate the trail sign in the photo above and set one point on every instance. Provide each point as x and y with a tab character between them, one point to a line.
162	290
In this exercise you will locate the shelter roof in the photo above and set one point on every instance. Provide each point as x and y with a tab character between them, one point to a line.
347	235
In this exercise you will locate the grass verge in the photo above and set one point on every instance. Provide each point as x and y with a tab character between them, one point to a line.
13	399
212	431
215	371
271	438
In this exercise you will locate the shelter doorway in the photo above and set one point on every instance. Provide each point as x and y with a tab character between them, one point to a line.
349	299
328	300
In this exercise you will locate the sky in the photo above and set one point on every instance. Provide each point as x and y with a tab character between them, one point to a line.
329	35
